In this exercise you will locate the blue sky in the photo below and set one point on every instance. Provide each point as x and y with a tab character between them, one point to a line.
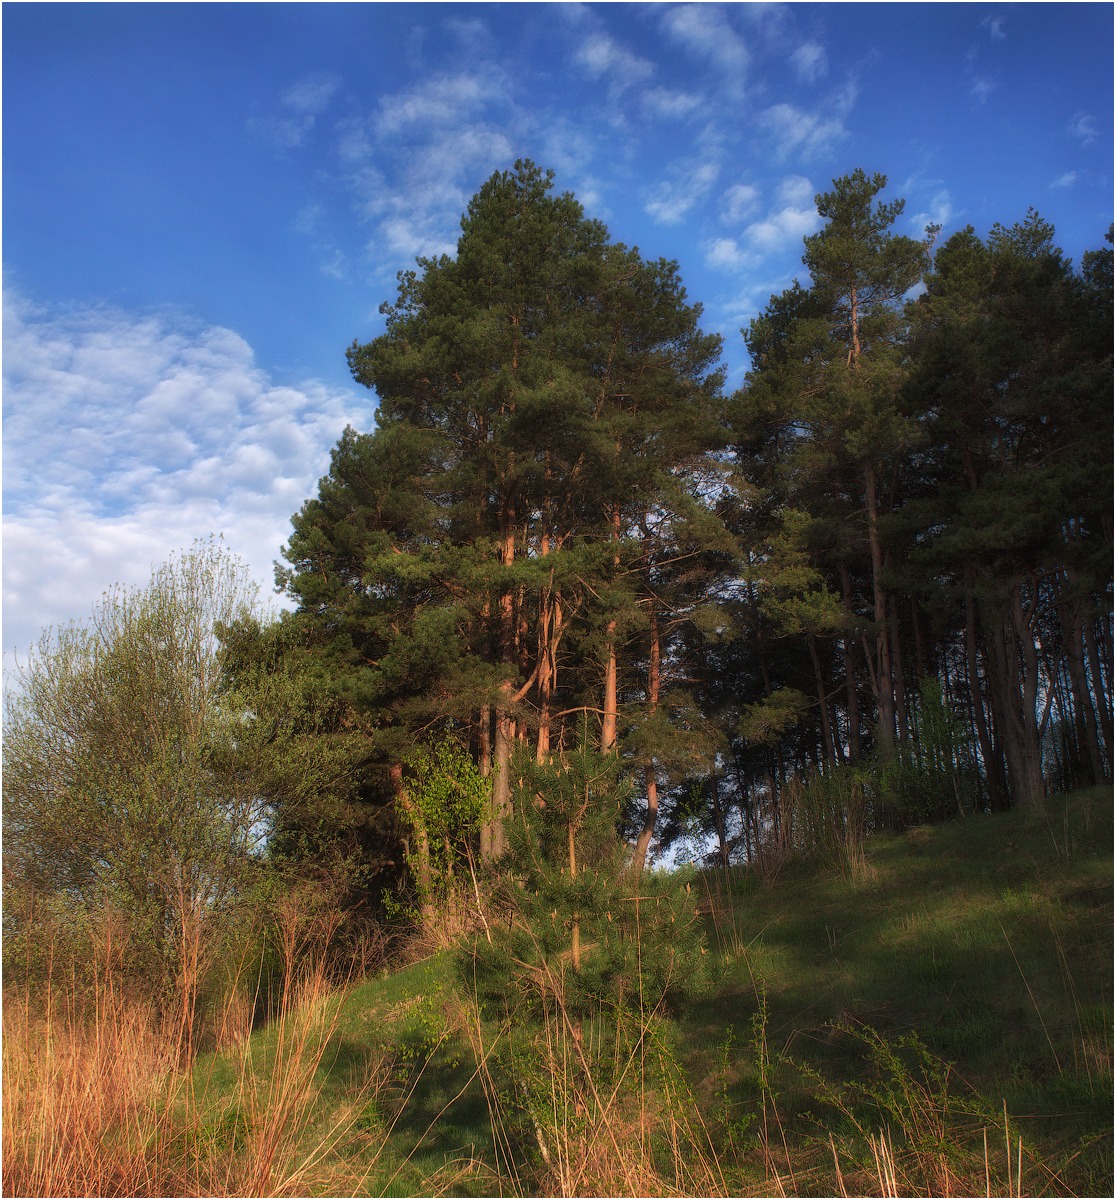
203	205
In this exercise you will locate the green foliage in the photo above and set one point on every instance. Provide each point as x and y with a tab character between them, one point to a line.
447	802
584	953
122	793
936	1126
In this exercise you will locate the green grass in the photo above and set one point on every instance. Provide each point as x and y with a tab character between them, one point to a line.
989	938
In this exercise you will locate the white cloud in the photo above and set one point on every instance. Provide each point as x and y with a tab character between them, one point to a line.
672	200
795	191
705	30
442	100
127	437
473	34
995	27
312	94
304	101
1066	180
940	212
795	219
413	164
797	131
810	62
602	56
662	102
1084	127
725	254
738	203
354	144
981	88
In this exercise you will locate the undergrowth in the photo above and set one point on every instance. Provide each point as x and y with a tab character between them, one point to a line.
939	1024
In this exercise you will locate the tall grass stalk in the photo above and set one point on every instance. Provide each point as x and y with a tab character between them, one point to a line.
591	1103
101	1100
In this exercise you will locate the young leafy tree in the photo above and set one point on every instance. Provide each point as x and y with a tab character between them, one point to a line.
123	788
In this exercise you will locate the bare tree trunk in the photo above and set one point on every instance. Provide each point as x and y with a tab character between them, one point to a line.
719	821
654	682
484	765
852	702
988	750
823	704
881	676
900	679
505	720
1102	689
1013	680
1084	712
609	718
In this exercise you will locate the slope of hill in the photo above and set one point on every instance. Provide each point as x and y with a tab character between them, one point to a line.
939	1020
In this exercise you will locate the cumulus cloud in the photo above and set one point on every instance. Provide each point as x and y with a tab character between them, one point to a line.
793	218
810	62
727	254
127	437
797	131
795	191
671	200
705	31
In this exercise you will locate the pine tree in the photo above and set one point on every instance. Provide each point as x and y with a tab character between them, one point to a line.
821	409
1015	512
476	558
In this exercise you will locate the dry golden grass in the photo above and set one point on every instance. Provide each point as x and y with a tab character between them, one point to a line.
102	1098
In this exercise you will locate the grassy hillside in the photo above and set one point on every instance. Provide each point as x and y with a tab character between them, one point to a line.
938	1020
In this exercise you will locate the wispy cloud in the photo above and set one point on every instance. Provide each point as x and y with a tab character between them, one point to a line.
312	94
1065	181
670	201
995	27
705	31
473	34
601	56
810	62
412	164
442	100
662	102
1083	126
796	131
739	203
299	108
940	212
127	437
727	254
981	87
